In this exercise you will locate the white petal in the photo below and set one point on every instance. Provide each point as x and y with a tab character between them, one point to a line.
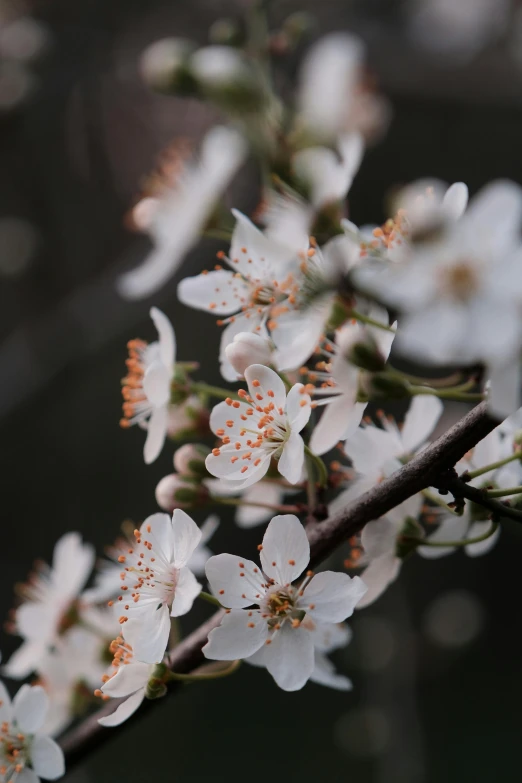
286	551
127	680
455	200
296	334
333	596
290	657
370	448
27	775
218	292
262	492
29	708
298	408
340	418
123	711
47	758
265	382
482	547
324	673
381	572
504	392
187	590
269	258
420	421
156	383
331	636
451	528
150	634
167	338
186	535
291	462
240	635
228	417
224	573
229	464
5	704
156	434
379	537
72	563
157	530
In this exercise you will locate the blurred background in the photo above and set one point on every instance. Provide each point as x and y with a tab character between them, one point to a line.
435	663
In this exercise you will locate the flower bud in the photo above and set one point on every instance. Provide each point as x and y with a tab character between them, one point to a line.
173	492
248	348
164	66
225	76
226	32
188	419
190	459
383	385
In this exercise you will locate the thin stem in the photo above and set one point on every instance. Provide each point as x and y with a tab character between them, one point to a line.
320	467
471	474
447	394
370	321
501	493
233	667
200	387
438	501
218	233
463	542
450	380
280	508
311	491
459	489
210	599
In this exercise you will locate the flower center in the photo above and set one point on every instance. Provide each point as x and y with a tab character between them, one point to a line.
280	605
14	751
460	280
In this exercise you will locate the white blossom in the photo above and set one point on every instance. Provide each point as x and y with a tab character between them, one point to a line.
340	380
146	389
264	425
157	583
460	292
179	217
26	753
283	618
51	602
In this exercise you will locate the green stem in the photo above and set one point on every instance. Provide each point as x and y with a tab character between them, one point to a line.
210	599
200	387
319	466
438	501
471	474
450	380
447	394
234	666
370	321
464	542
218	233
500	493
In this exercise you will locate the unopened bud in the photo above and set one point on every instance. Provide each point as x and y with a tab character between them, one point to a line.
517	440
225	76
155	689
173	492
365	354
226	32
190	459
248	348
164	66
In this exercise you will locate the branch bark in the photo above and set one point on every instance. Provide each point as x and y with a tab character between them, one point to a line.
424	470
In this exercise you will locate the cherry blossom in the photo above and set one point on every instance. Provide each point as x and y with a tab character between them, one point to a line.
146	389
157	583
339	380
264	425
283	618
178	218
27	754
51	603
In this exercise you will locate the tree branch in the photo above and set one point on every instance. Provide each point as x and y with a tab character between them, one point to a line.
424	470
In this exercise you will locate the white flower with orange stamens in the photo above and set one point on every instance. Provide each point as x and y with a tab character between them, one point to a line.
127	679
338	380
282	617
146	389
459	289
157	583
26	753
176	220
265	425
51	603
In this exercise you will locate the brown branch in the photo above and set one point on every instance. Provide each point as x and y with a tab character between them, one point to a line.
422	471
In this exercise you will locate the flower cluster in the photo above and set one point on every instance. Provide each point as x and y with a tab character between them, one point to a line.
311	308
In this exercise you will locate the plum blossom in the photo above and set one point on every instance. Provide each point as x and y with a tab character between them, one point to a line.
264	425
146	389
266	610
128	678
340	380
50	604
157	583
327	638
26	753
460	290
177	219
